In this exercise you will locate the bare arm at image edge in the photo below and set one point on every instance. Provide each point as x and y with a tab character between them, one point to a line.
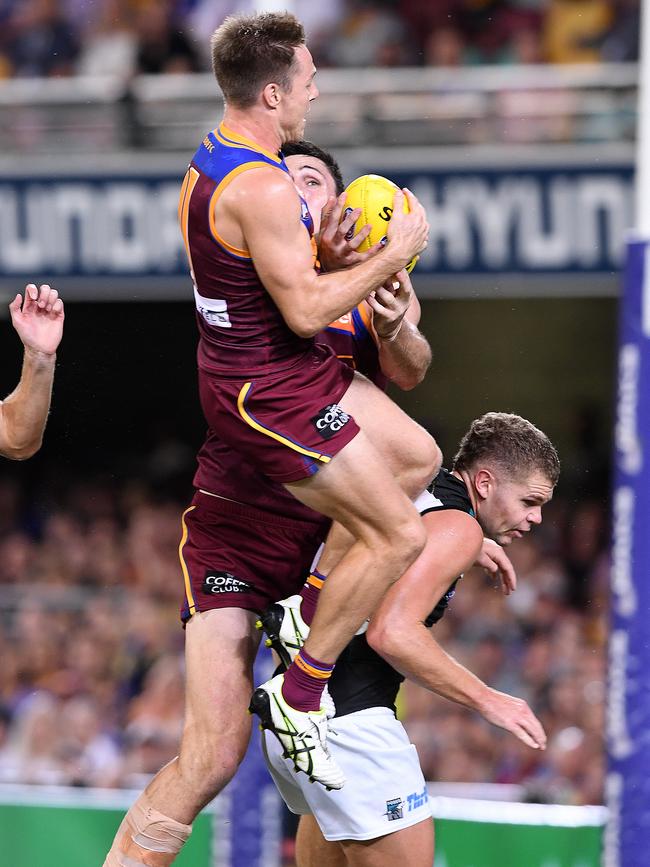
38	320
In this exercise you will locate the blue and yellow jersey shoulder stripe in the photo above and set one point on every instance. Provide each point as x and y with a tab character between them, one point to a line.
224	154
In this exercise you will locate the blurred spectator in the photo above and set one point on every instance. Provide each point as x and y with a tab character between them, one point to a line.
41	40
424	19
91	755
109	46
620	43
162	46
444	46
33	752
206	15
371	34
525	43
116	37
573	30
320	21
487	26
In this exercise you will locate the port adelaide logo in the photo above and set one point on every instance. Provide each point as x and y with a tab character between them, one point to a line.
394	809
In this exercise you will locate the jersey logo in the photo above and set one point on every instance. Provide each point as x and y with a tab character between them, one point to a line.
394	809
213	310
330	420
223	582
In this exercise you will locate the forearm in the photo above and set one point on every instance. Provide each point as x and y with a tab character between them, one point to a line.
405	357
23	413
424	662
333	294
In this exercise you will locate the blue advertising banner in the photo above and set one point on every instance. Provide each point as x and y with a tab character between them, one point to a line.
627	837
486	221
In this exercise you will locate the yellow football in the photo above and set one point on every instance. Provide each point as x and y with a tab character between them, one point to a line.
374	194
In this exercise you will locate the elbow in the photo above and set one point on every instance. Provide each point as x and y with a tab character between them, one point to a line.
18	445
304	326
417	373
20	453
382	637
408	381
406	376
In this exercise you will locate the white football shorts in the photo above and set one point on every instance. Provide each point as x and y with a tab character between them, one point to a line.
384	791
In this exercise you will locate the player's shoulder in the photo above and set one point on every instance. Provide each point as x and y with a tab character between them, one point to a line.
447	491
265	189
239	160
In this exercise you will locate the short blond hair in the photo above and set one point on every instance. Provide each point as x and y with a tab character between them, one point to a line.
510	442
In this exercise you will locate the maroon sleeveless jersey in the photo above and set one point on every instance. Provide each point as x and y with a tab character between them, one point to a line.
240	327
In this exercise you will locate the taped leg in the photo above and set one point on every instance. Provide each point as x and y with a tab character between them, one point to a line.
147	838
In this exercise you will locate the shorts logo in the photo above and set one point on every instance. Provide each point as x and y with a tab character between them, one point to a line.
394	809
223	582
330	420
417	799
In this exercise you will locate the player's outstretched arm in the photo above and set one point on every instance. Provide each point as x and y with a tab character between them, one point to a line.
267	209
38	320
397	631
404	352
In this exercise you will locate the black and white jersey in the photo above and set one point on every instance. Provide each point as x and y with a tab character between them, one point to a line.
361	678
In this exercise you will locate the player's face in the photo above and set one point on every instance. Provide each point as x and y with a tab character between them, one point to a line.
314	182
513	507
295	102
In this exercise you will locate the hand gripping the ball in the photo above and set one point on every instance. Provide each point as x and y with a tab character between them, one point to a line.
408	232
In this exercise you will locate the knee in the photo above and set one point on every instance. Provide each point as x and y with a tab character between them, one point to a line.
406	542
426	460
430	458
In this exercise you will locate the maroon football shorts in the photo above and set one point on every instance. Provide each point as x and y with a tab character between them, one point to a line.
235	556
286	424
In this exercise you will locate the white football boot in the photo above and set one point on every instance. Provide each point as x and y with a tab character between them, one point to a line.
286	632
285	629
303	736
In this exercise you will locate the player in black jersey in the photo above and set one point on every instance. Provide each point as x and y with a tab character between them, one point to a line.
504	472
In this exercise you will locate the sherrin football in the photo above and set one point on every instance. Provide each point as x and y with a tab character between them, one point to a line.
373	194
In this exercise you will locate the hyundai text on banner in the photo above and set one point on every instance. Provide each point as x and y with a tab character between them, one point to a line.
523	220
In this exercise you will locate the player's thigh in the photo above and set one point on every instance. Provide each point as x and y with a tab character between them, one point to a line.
220	648
412	846
313	850
397	437
358	489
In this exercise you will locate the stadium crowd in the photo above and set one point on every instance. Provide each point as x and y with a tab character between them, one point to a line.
91	685
126	37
